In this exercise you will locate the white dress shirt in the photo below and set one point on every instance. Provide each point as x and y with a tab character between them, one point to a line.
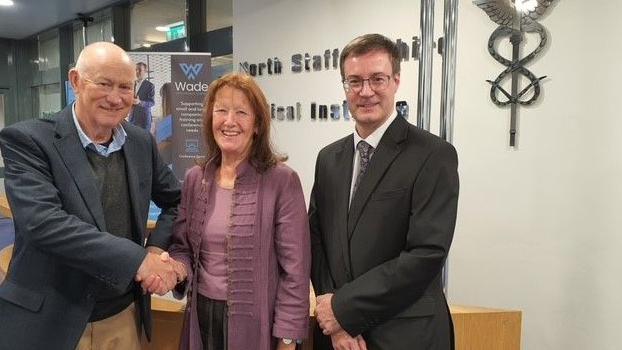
373	140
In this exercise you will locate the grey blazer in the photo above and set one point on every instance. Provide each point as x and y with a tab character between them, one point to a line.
62	252
382	257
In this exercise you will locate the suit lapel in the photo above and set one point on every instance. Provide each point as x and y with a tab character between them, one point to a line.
384	155
133	155
73	155
140	89
343	166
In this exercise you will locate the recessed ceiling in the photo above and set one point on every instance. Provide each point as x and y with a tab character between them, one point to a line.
29	17
148	14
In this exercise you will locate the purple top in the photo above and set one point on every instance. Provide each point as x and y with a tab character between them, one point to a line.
268	255
212	279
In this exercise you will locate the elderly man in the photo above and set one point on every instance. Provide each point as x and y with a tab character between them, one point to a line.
382	215
79	185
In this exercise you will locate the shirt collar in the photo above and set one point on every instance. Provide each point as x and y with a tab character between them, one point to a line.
374	138
118	138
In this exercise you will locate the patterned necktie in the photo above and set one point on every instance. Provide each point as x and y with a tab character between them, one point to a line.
365	151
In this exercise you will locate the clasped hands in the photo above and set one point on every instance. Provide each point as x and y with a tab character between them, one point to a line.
159	273
325	317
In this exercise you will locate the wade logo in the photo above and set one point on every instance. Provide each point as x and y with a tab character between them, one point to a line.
191	71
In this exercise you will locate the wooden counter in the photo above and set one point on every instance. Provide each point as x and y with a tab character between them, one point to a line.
5	210
484	328
475	327
5	258
168	317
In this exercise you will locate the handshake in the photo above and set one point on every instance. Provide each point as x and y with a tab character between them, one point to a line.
159	273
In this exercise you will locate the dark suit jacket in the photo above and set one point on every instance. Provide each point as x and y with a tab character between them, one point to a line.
141	113
383	257
62	254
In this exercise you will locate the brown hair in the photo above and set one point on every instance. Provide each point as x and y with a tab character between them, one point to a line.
367	43
262	155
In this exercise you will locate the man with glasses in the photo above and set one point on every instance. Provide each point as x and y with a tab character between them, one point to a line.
79	186
144	93
382	216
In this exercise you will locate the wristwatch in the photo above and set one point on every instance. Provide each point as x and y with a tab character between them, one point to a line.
288	341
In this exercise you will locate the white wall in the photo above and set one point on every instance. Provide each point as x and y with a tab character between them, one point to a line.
537	226
268	28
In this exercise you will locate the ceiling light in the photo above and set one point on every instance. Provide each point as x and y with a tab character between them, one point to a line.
6	3
146	45
160	28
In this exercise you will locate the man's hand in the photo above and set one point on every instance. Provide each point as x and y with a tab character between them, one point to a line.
156	273
325	316
343	341
180	268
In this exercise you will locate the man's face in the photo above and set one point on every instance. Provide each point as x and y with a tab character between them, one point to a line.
370	106
141	72
105	94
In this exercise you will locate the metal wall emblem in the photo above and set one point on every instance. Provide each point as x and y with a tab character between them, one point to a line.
515	17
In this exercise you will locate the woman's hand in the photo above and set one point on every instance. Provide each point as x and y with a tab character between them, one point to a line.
178	267
180	270
283	346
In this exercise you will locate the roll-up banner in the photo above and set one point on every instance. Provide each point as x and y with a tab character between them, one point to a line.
181	81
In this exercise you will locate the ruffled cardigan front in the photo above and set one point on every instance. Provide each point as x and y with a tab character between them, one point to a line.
268	255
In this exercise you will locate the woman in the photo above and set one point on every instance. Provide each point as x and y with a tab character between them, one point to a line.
242	231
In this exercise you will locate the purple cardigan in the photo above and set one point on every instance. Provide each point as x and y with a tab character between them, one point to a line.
268	255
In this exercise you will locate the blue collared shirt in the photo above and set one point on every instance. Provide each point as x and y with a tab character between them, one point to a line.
118	138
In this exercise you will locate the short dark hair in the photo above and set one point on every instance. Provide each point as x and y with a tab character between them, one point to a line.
142	64
367	43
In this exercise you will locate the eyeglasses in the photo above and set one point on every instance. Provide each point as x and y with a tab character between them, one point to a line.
107	86
376	82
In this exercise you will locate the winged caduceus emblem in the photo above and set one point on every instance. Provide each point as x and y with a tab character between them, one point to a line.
505	12
515	17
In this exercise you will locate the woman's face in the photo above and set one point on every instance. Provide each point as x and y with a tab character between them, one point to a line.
233	123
